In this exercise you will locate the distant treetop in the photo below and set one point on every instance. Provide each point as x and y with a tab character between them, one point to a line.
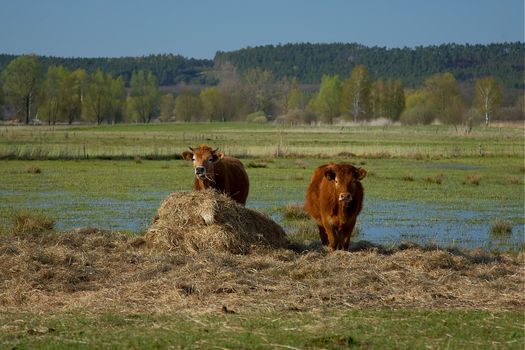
169	69
308	62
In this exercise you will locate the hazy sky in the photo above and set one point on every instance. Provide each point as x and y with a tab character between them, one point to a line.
199	28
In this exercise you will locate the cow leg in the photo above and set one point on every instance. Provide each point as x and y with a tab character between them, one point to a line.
346	242
348	234
332	240
322	234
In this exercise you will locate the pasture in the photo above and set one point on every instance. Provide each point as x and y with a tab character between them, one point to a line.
430	185
425	184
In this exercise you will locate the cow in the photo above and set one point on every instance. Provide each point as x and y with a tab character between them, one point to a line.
334	199
215	170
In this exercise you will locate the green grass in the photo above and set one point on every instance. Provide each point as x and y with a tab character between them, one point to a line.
421	165
331	329
166	141
66	188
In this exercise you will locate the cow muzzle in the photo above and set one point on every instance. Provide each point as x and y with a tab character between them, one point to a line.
200	172
345	197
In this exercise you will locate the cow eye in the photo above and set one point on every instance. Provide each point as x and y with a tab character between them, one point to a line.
193	159
210	159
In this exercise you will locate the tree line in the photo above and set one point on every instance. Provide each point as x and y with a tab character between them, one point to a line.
59	95
169	69
309	62
62	96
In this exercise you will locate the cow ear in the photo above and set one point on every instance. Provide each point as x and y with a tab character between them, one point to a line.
360	173
329	174
187	155
220	155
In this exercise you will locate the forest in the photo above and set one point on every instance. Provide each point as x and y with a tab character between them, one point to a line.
309	62
169	69
294	83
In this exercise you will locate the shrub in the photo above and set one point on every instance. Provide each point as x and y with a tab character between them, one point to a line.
256	117
419	114
260	120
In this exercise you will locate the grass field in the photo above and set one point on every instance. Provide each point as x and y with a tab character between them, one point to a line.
367	329
254	140
74	290
124	195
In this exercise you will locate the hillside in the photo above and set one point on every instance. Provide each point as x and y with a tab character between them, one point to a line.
308	62
169	69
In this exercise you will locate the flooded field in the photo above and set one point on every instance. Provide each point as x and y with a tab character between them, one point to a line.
424	184
381	221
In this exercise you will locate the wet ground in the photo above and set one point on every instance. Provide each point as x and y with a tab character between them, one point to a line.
380	221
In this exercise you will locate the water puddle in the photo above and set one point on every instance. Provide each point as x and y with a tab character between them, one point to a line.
381	221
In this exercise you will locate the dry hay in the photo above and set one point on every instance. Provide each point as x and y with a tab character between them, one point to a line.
94	271
208	220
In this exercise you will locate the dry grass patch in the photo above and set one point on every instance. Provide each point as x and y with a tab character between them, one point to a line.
34	170
438	179
514	180
25	221
294	212
408	177
99	271
473	180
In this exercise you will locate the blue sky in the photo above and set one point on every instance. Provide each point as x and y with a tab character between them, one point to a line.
199	28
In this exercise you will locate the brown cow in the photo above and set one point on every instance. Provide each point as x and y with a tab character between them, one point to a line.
214	169
334	199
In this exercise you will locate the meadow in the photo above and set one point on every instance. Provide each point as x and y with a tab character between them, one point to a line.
432	185
428	184
165	141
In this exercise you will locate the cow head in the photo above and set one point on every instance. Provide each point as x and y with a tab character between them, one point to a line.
345	178
204	159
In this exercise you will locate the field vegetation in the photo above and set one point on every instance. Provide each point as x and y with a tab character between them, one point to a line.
76	275
244	140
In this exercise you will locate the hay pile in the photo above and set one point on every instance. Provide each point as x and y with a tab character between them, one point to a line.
208	220
95	271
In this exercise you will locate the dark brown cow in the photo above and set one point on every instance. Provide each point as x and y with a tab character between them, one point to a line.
214	169
334	199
